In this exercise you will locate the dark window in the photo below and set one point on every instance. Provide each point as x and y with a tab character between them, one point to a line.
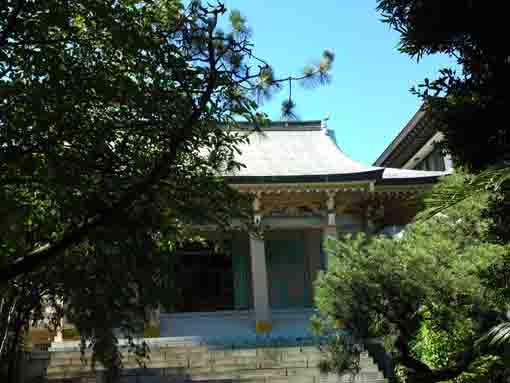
204	280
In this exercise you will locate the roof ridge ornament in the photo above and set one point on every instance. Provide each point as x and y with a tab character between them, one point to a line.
328	132
324	122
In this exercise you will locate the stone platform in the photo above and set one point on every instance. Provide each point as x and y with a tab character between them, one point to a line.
216	347
234	327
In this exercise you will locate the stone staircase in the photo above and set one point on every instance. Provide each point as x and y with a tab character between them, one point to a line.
198	363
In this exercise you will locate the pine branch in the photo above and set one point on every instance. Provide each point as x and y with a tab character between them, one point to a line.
490	181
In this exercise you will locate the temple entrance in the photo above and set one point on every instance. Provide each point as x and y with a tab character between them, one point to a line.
287	271
203	279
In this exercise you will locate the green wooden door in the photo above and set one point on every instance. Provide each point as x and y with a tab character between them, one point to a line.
288	285
242	275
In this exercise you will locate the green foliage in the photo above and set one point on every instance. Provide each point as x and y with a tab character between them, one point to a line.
467	106
500	334
116	123
288	107
424	294
434	345
341	356
319	73
492	182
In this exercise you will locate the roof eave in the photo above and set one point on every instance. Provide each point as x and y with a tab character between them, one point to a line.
409	181
373	175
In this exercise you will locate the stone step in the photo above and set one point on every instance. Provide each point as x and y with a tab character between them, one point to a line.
201	363
218	379
347	378
265	376
369	375
219	365
253	374
294	379
68	375
221	357
208	353
70	371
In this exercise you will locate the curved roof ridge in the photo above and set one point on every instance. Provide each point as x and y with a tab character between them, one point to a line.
287	126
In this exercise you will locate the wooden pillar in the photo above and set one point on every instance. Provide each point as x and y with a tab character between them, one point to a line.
368	220
259	276
330	231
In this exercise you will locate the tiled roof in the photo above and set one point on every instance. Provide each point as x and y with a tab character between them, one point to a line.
404	176
305	152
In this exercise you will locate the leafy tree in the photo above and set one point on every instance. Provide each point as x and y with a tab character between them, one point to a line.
428	295
470	105
103	105
116	121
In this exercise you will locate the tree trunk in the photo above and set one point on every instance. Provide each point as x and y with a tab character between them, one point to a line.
13	357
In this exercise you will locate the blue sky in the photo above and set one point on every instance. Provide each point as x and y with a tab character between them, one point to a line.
368	100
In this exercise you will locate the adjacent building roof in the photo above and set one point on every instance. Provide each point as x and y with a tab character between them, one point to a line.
418	131
393	176
306	152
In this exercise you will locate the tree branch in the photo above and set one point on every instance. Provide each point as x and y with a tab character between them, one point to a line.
45	253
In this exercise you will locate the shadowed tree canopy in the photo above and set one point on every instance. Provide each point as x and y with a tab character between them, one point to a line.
105	107
116	121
